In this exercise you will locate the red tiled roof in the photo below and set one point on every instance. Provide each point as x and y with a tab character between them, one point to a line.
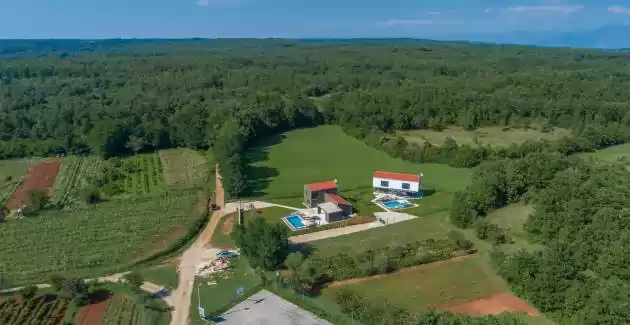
338	199
322	186
397	176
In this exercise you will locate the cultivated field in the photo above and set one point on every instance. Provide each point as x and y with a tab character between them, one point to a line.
95	239
493	136
123	310
184	167
42	310
75	174
138	175
11	174
40	177
282	164
443	285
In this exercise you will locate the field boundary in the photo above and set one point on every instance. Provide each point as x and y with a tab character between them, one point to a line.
400	271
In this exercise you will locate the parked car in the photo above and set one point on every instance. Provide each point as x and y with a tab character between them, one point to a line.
226	254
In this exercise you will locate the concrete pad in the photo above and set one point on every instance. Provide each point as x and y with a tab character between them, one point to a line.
393	217
265	308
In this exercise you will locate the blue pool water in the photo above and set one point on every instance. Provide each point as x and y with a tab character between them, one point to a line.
397	204
296	222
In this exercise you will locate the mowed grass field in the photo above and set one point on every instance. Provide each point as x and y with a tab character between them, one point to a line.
184	167
436	285
512	218
11	174
493	136
280	165
96	239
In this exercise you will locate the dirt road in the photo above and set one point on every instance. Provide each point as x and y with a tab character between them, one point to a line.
193	256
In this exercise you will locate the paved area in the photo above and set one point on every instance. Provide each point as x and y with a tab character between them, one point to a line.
393	217
333	232
265	308
232	206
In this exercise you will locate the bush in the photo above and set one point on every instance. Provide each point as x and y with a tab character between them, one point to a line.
459	239
490	232
91	195
37	200
28	293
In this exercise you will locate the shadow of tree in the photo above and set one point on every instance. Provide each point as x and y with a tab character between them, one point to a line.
259	177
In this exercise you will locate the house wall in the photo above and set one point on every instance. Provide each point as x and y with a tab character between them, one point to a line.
313	198
335	216
396	184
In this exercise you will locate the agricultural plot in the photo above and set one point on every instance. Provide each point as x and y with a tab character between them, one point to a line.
42	310
184	167
459	285
280	165
75	174
493	136
137	176
95	239
40	177
11	174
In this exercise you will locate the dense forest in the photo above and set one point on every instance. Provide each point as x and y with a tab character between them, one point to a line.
94	97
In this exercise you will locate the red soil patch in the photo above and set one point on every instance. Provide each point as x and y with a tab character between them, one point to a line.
39	177
405	270
494	305
92	314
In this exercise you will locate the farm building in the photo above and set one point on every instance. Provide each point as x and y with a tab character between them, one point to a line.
397	183
324	197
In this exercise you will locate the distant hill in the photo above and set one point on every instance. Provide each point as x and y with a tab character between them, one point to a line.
606	37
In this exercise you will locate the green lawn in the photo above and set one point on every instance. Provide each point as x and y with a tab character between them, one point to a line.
216	297
11	174
435	285
431	226
280	165
434	203
164	275
493	136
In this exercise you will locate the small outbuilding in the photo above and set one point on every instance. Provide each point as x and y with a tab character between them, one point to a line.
330	211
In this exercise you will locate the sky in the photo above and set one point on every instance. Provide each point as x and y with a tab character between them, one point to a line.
96	19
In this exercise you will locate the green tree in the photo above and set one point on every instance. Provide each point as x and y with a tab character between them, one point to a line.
134	280
28	292
37	200
135	143
265	245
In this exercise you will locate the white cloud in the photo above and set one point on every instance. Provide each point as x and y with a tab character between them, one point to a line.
619	10
405	22
488	10
559	9
434	13
218	3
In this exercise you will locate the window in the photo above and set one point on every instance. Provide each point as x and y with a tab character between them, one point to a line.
406	186
384	184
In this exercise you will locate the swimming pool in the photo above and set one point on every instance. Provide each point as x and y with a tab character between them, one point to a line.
295	221
397	204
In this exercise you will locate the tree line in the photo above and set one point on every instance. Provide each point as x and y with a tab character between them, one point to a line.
581	219
117	97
